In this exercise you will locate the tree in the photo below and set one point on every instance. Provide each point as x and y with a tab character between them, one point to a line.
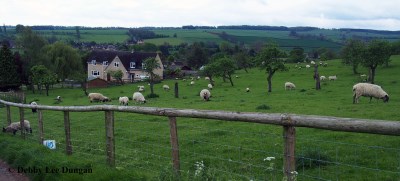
209	70
117	75
242	61
19	28
9	78
41	76
377	53
296	55
225	67
62	58
352	53
270	59
150	64
197	55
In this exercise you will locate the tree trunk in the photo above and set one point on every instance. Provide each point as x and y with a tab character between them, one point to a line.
47	89
316	77
230	79
372	77
151	87
355	69
269	78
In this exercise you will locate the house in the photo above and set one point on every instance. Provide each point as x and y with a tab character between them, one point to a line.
102	62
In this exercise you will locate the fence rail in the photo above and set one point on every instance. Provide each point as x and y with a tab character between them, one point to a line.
287	121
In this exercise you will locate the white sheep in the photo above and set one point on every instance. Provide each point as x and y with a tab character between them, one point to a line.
33	103
58	98
210	86
369	90
332	77
205	94
237	76
141	88
15	126
322	77
206	78
98	97
192	83
247	89
198	77
312	62
165	87
123	100
289	85
308	66
138	97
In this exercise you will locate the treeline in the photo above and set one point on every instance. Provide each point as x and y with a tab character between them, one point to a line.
383	32
137	34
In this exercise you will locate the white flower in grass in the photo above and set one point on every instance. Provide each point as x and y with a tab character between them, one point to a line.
199	168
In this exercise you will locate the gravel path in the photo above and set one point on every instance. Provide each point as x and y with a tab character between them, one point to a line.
10	174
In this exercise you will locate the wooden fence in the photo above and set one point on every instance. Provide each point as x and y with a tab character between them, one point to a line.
287	121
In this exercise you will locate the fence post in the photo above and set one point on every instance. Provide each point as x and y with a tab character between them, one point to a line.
21	121
67	127
8	114
110	146
289	161
174	144
40	118
176	90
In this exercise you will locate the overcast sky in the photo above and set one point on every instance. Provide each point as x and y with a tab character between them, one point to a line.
368	14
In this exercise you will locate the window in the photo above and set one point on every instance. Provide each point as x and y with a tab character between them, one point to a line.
105	63
143	66
95	73
133	65
94	62
116	64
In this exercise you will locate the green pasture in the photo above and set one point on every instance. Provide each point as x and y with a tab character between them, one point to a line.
233	150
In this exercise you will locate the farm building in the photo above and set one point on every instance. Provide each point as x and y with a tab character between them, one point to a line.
95	82
102	62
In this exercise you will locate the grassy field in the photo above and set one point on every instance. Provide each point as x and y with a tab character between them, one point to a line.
233	150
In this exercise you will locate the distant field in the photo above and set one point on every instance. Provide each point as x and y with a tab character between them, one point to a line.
99	36
234	150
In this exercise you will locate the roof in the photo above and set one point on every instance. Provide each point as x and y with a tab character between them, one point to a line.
126	57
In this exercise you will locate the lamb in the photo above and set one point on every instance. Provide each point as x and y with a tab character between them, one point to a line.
192	83
141	88
33	103
247	89
166	87
58	98
312	62
290	86
123	100
369	90
210	86
15	126
308	66
205	94
98	97
138	97
322	77
332	77
206	78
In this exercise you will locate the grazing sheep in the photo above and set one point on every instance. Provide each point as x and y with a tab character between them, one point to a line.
290	86
192	83
141	88
138	97
205	94
206	78
98	97
198	77
369	90
312	62
123	100
247	89
363	77
333	77
15	126
308	66
165	87
322	77
210	86
33	103
58	98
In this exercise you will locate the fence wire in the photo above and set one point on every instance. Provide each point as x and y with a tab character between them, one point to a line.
213	149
